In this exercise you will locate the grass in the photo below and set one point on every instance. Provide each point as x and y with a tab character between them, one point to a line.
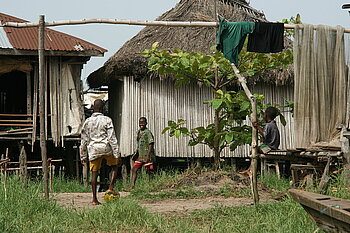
63	185
25	210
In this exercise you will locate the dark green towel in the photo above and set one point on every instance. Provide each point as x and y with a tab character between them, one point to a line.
231	36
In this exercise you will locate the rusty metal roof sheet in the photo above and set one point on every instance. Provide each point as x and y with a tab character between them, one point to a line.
27	38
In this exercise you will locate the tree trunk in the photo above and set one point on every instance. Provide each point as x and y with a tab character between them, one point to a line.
216	125
216	141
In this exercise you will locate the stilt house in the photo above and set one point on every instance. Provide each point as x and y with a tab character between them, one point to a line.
65	56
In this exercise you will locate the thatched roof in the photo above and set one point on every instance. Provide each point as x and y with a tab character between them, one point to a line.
129	62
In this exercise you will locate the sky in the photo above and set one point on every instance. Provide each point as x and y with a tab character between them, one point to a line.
112	37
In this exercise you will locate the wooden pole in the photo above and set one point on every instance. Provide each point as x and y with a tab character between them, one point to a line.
42	116
115	21
254	118
86	174
128	22
5	175
35	106
23	164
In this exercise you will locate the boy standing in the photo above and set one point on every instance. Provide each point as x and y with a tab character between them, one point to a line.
145	151
270	134
98	142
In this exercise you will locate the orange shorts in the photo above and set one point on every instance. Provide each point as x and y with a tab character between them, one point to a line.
95	165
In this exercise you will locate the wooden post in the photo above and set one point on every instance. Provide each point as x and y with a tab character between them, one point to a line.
29	95
50	173
35	106
5	174
277	167
23	165
77	163
42	116
253	118
325	176
86	174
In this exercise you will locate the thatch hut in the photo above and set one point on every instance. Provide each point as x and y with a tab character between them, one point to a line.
134	92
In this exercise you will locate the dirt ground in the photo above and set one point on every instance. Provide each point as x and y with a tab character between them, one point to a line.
80	201
209	182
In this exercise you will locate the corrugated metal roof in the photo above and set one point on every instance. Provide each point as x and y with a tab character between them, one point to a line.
4	41
27	38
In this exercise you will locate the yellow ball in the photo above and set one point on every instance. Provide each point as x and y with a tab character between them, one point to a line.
111	196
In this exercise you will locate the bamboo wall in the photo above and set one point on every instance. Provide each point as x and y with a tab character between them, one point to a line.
159	101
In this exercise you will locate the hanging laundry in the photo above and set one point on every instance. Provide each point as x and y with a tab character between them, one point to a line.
266	38
231	36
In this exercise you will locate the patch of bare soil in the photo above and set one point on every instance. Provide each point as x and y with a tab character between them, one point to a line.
209	181
79	200
174	206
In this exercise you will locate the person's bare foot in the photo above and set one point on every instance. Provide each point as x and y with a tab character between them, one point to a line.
246	172
110	191
95	203
128	189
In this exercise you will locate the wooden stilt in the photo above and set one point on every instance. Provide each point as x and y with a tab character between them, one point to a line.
23	165
77	164
325	176
50	174
277	167
5	172
86	174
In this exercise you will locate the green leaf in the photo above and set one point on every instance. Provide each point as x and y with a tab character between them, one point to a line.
229	137
219	92
192	142
177	133
216	103
245	106
165	129
172	124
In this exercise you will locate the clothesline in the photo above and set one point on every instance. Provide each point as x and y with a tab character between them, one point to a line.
127	22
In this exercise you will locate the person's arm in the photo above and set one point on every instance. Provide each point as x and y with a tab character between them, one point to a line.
149	152
150	146
260	130
112	140
83	145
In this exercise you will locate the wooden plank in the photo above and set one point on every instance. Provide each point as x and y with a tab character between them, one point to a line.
304	167
38	161
324	204
16	133
19	125
14	115
19	120
18	130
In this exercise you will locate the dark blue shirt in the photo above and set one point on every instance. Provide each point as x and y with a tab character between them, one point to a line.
272	135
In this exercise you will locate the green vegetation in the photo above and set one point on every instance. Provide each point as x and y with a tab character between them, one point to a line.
25	210
64	185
